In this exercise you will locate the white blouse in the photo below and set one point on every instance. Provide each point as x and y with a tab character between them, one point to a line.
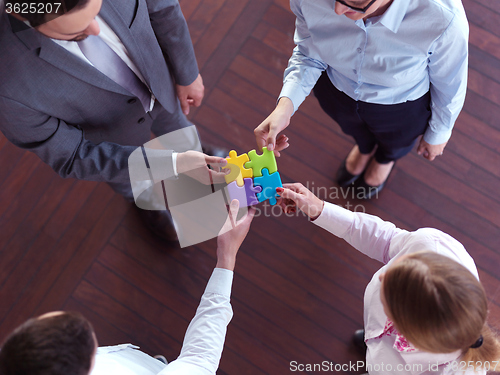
381	240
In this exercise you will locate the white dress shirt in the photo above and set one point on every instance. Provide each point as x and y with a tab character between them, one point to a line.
381	240
414	46
112	40
203	343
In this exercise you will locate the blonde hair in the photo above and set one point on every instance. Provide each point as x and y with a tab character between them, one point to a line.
440	307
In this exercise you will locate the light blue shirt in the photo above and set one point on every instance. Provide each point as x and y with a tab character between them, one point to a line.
414	47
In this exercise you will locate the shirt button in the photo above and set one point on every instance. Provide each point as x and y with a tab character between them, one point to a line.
131	101
359	50
141	120
354	71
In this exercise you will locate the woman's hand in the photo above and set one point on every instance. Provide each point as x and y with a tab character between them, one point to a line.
429	151
266	134
297	195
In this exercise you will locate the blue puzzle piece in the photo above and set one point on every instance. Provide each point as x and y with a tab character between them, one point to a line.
269	183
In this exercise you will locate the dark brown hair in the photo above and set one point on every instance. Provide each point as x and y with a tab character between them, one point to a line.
57	345
47	8
440	306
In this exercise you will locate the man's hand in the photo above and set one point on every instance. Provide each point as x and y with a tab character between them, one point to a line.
191	94
430	151
297	195
268	130
233	234
195	165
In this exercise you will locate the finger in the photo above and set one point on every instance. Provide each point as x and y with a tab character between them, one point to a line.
281	138
288	194
292	186
184	105
281	143
271	138
215	160
281	203
260	133
217	177
281	147
233	211
421	148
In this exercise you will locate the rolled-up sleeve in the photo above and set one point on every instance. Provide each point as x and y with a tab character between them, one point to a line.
448	61
305	66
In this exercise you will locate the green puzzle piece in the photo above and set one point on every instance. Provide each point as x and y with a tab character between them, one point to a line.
259	162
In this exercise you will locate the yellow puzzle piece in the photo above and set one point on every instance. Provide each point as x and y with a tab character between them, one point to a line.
239	173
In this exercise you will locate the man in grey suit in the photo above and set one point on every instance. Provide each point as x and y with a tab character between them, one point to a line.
60	102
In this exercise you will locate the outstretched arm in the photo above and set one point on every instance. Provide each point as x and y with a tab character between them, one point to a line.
367	233
204	340
304	69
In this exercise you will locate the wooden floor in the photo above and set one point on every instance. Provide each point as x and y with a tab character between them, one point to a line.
297	292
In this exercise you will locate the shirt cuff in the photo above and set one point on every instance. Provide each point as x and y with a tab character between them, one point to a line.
434	138
335	219
159	164
174	163
294	92
220	282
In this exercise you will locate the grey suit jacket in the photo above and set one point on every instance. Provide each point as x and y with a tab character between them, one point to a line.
73	117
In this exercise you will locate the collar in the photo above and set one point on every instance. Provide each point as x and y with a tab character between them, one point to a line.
24	32
394	15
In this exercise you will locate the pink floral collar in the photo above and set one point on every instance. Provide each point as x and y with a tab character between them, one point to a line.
401	344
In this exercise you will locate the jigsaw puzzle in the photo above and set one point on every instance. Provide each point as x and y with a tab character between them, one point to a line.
264	170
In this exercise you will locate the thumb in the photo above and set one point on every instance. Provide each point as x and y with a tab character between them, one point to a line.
271	138
288	194
233	211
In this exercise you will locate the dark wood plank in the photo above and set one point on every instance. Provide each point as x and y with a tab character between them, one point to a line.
230	45
215	32
189	7
203	17
56	264
484	86
484	40
298	290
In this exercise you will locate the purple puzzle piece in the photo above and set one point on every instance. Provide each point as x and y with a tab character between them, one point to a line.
246	194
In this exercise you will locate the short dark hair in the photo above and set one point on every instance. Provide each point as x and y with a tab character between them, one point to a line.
57	345
47	7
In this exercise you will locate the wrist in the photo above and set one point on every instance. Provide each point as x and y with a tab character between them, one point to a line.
285	105
179	159
317	210
226	261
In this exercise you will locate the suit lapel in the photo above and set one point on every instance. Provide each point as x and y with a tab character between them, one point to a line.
112	17
69	63
62	59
